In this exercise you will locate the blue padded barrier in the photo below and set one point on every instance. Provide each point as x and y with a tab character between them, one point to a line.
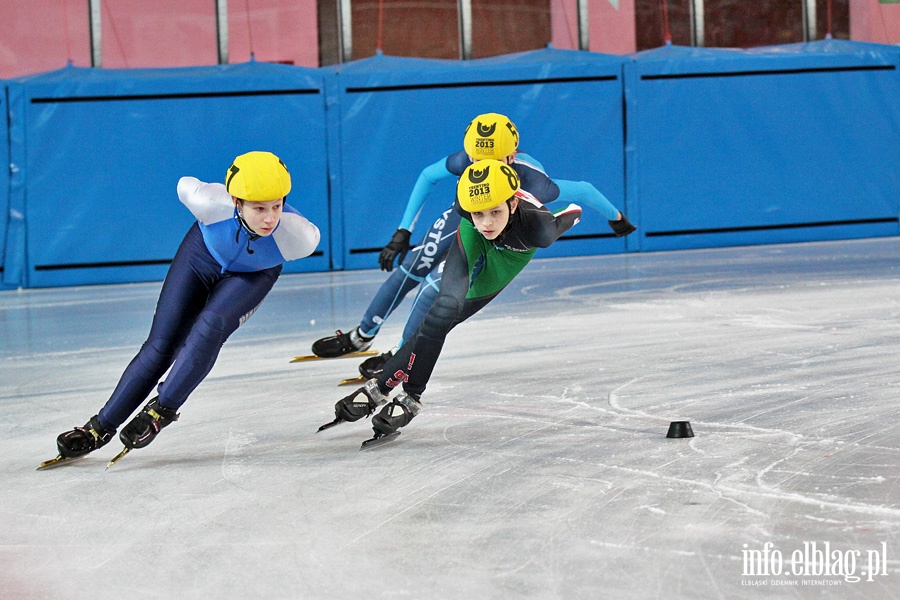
100	153
394	116
700	147
780	144
13	254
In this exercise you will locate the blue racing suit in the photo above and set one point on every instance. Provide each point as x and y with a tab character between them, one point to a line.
220	274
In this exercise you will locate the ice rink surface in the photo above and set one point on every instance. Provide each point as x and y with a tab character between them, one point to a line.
539	468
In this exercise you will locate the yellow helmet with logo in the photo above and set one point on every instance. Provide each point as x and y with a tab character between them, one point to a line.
491	135
486	184
258	177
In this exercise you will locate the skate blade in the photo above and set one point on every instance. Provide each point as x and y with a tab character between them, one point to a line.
56	462
379	440
330	424
116	458
353	380
309	357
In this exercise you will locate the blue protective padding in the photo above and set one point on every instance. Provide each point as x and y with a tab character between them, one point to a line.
102	152
15	258
780	144
724	147
12	255
395	116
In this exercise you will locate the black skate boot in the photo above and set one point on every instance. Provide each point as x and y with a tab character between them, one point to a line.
360	403
374	366
83	440
341	344
395	415
147	424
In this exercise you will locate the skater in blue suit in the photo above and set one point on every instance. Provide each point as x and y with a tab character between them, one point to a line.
222	271
489	136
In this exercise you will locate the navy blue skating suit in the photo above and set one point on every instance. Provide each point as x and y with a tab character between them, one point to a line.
219	276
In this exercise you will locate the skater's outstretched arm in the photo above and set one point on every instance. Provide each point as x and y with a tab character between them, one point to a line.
428	178
582	192
397	248
585	194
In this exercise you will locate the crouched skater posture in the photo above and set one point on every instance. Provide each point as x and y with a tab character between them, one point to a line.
501	229
488	136
223	269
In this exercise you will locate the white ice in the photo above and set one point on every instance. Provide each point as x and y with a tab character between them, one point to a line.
539	468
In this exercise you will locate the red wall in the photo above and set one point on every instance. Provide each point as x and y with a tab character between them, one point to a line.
612	27
872	21
43	35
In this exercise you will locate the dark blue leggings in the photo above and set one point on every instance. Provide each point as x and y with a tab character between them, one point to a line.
198	308
419	263
414	362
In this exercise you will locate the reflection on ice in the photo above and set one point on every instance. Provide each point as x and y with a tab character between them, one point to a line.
539	466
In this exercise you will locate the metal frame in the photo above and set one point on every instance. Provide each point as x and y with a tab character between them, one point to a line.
465	29
809	20
697	23
584	34
222	30
345	22
96	33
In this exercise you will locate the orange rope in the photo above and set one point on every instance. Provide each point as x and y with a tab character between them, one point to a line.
568	24
115	32
667	33
249	29
380	24
68	39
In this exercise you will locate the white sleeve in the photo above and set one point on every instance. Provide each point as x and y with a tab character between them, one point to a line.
296	237
209	202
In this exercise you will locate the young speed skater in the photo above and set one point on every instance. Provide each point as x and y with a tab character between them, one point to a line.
224	268
502	226
488	136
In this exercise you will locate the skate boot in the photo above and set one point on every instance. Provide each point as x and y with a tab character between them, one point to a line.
397	414
341	344
83	440
147	424
372	367
360	403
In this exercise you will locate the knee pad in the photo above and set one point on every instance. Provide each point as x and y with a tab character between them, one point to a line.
155	354
442	315
212	327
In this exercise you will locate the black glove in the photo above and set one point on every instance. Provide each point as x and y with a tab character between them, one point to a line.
622	227
399	244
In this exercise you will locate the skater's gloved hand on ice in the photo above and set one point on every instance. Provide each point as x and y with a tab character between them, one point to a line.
622	226
399	245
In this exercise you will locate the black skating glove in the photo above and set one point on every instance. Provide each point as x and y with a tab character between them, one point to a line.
622	227
399	245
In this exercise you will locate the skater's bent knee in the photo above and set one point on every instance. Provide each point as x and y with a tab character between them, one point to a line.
446	307
212	327
442	315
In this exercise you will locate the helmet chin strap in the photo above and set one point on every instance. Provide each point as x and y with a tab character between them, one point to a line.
252	235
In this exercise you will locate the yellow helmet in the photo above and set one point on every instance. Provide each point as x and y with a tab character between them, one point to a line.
491	135
486	184
258	177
